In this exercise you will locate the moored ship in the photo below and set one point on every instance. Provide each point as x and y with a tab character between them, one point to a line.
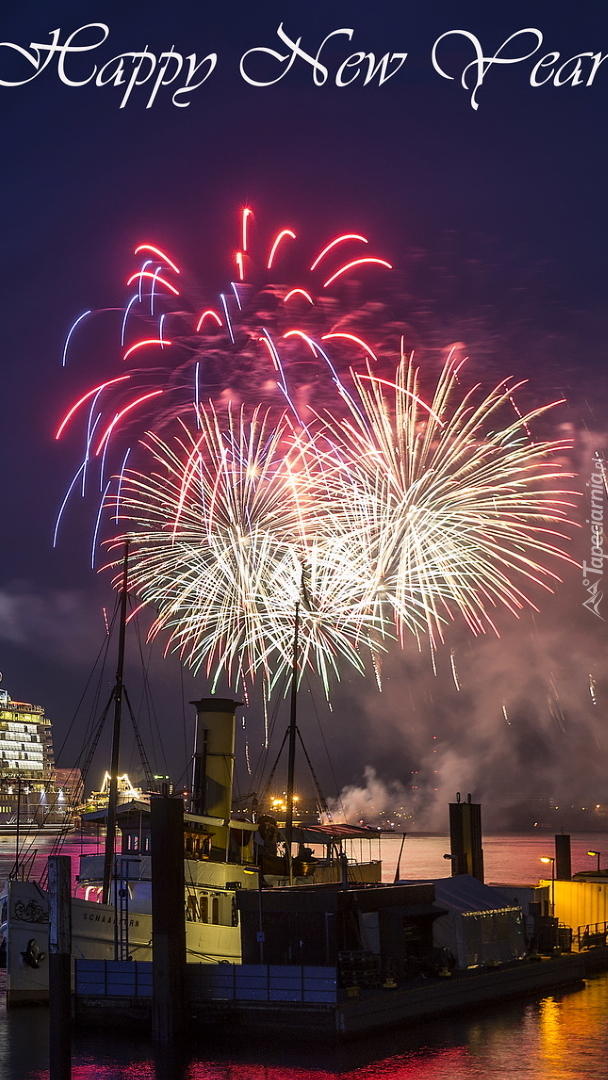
222	857
34	794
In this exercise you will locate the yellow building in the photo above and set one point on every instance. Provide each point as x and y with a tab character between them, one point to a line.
579	903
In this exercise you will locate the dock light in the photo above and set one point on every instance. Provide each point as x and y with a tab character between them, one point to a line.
550	859
595	855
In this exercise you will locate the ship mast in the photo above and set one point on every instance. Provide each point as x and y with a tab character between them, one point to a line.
118	699
291	752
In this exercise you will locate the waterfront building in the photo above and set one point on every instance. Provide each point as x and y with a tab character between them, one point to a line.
31	792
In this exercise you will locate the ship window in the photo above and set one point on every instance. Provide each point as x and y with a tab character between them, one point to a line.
191	909
215	910
204	908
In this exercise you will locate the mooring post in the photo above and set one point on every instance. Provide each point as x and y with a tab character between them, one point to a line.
60	981
168	919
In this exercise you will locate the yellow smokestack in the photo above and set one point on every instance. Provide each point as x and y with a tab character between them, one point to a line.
214	756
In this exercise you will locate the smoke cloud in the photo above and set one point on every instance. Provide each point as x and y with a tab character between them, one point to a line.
518	721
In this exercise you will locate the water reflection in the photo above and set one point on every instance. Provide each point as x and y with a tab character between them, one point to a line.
512	859
561	1037
24	1041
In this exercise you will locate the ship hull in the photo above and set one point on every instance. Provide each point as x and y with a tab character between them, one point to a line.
25	930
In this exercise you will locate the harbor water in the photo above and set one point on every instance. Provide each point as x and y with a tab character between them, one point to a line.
560	1036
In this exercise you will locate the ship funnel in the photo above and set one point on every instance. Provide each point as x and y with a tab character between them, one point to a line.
214	756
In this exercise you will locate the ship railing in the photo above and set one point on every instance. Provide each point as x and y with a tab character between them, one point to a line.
90	868
551	936
591	935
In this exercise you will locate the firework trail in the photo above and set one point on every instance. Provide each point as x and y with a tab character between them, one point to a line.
453	667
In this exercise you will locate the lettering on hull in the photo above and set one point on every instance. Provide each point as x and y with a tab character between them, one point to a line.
109	919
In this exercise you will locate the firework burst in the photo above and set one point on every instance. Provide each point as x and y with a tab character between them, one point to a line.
231	531
383	510
385	523
250	344
451	504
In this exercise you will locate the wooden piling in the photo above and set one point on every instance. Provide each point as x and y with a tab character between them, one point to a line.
60	948
169	1012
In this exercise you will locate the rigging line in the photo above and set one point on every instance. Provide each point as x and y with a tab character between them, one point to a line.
56	849
185	777
148	697
182	780
256	777
96	738
184	724
95	727
94	712
103	650
321	797
273	770
140	745
329	761
275	712
58	842
95	741
91	727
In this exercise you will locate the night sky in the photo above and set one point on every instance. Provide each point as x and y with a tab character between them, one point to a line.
495	220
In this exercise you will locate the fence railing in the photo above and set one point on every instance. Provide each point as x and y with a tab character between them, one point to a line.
591	936
113	978
211	982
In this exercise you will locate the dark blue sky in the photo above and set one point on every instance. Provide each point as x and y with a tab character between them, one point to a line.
495	220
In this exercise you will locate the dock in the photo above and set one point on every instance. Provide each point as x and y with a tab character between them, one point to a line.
303	997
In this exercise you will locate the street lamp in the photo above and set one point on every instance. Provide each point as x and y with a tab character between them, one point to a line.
597	855
550	859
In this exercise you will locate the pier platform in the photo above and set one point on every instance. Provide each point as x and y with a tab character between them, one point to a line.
265	997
